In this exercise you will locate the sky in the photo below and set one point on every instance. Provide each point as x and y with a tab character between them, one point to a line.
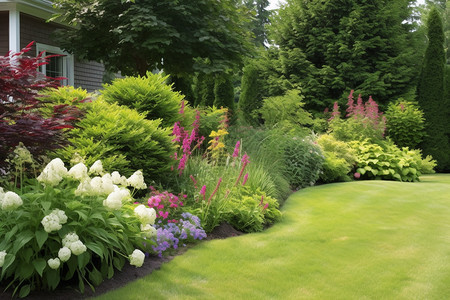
275	3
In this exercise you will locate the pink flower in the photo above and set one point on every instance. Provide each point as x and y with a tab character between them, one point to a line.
266	206
245	179
357	175
182	163
335	113
203	191
262	199
236	149
215	190
350	104
163	215
194	181
182	108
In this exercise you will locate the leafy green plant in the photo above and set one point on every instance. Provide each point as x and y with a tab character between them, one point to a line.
122	138
285	111
64	95
405	123
339	159
303	161
71	224
251	211
149	95
387	161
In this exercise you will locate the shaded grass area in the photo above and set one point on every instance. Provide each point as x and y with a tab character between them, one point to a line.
357	240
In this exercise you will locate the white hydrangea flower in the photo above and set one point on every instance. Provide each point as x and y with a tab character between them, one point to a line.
51	223
77	247
145	214
114	200
137	180
137	258
148	230
53	173
96	168
69	239
84	188
96	184
61	215
2	258
64	254
2	195
11	201
54	263
78	172
118	179
107	184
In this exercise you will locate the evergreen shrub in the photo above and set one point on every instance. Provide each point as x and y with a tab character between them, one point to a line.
122	138
149	95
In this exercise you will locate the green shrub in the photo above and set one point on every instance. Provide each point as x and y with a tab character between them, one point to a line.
387	161
405	124
101	221
122	138
224	92
149	95
251	211
204	90
285	111
63	95
210	119
303	161
339	159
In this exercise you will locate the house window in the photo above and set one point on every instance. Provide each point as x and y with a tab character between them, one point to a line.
58	66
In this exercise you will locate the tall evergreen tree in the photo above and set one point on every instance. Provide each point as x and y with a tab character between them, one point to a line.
329	47
224	92
250	99
259	8
431	94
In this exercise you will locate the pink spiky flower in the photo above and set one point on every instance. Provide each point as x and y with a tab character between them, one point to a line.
236	149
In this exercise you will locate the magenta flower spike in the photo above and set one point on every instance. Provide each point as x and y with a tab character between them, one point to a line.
215	190
236	149
203	191
245	179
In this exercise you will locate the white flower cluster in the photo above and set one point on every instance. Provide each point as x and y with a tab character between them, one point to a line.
78	172
54	263
137	258
9	200
118	179
96	168
137	180
2	258
116	198
54	221
72	241
64	254
148	230
145	214
53	173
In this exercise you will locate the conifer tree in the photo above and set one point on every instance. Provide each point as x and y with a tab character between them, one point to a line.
431	94
250	99
224	92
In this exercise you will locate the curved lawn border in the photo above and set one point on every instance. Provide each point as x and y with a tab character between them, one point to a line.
356	240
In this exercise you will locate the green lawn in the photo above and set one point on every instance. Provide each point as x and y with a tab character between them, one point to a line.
357	240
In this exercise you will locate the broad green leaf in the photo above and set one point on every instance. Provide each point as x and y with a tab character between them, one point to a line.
95	276
9	259
96	248
22	238
39	265
53	278
46	205
72	205
41	237
83	260
24	291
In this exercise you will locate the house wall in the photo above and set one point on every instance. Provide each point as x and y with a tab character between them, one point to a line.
4	32
88	75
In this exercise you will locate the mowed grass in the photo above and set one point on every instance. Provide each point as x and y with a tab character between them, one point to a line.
357	240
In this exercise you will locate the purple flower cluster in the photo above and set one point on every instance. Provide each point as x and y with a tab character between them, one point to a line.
187	229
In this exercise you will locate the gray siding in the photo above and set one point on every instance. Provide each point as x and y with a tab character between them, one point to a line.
88	75
4	32
35	29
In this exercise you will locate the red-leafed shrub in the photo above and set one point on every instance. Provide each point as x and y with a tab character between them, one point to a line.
20	117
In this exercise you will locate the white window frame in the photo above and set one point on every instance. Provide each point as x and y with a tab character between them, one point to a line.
68	62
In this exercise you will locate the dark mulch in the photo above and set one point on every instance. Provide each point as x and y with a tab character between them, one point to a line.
128	273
